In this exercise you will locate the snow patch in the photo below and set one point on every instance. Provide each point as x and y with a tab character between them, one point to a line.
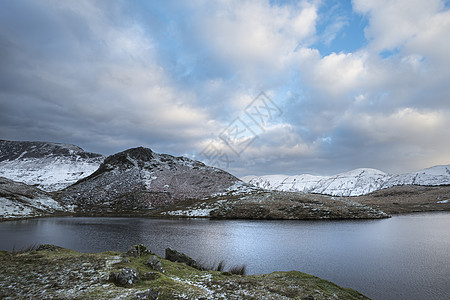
49	174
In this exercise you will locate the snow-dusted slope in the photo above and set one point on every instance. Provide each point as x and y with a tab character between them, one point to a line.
438	175
49	166
140	179
354	183
18	200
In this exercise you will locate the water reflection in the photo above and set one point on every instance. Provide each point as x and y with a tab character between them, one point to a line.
406	257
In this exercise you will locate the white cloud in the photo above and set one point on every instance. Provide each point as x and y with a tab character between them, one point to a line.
256	38
394	22
337	74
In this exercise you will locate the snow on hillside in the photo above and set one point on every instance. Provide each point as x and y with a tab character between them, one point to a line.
49	166
353	183
139	178
18	200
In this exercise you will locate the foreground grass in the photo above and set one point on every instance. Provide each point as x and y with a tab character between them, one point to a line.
53	272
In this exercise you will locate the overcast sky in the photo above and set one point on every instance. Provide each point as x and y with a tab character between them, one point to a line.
346	84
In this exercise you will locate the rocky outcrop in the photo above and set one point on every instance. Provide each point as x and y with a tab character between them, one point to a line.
155	263
48	166
137	251
179	257
125	277
139	179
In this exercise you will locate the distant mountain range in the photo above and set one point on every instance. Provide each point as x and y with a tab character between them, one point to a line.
39	179
353	183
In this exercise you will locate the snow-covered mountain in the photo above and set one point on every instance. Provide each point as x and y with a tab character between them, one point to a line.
49	166
353	183
140	179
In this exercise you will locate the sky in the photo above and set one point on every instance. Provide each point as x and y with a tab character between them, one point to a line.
254	87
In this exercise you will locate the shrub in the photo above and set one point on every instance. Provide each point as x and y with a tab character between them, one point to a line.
238	270
29	248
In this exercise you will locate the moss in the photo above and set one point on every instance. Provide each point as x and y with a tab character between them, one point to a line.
66	273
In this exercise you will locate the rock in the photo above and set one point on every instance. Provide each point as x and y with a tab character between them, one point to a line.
149	294
137	251
155	263
176	256
125	277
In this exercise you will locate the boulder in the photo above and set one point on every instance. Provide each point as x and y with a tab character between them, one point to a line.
155	263
137	251
149	294
125	277
179	257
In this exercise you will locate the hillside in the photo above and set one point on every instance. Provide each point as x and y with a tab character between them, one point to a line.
48	166
408	199
140	179
18	200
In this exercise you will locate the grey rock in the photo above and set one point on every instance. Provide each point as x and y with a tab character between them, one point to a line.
125	277
149	294
179	257
155	263
137	251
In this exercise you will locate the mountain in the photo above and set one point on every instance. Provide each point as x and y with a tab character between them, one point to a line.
49	166
18	200
140	179
353	183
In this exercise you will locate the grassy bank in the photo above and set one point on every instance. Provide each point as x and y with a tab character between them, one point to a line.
52	272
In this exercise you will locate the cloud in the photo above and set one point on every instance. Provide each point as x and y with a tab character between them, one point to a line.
393	23
111	84
172	75
255	38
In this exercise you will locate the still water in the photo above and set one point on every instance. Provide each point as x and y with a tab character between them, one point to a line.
405	257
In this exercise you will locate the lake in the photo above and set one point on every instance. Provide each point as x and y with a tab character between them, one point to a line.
405	257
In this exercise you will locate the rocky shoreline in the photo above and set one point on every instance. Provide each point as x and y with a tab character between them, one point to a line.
54	272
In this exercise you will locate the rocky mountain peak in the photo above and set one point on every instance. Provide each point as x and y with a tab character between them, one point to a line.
130	156
139	178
